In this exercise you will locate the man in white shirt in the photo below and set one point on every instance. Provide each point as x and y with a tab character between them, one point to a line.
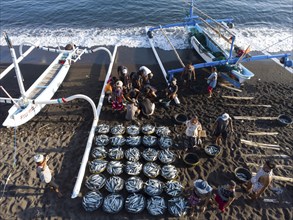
192	131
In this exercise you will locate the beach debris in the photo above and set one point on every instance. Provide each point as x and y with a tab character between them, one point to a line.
166	156
134	184
132	154
113	203
116	153
132	130
237	97
95	182
102	140
150	154
114	184
151	169
99	153
117	140
135	203
163	131
169	172
177	206
118	130
103	129
260	145
165	142
154	187
133	141
212	150
133	168
173	188
92	201
156	205
148	129
149	140
97	165
115	168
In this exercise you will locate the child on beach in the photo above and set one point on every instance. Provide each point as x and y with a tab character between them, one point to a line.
225	195
220	128
117	103
193	126
188	75
212	81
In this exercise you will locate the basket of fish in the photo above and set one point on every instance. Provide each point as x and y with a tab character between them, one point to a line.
212	150
115	168
92	201
103	129
133	141
99	153
133	168
97	166
177	206
166	156
116	153
114	184
243	175
102	140
134	184
148	129
117	140
132	154
154	187
156	205
133	130
150	154
135	203
169	172
151	169
118	130
163	131
113	203
149	140
95	182
165	142
173	188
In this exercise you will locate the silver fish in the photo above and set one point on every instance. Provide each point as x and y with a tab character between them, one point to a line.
134	184
133	141
97	166
92	201
149	140
148	129
135	203
116	153
113	203
151	169
103	129
177	206
165	142
117	140
102	140
154	187
114	184
163	131
118	130
242	176
156	205
132	130
99	153
150	154
115	168
169	172
95	182
132	154
173	188
166	156
212	150
133	168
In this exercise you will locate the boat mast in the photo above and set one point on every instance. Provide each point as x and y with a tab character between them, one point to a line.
16	67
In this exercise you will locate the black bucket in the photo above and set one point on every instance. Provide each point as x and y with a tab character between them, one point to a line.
180	118
239	172
191	159
284	120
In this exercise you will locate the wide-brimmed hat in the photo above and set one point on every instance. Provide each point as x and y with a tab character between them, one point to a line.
119	83
38	158
202	186
225	116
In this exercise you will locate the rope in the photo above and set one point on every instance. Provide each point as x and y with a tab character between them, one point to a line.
172	47
275	43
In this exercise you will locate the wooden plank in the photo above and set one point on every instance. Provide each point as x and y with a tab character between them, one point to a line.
249	105
281	178
229	87
230	80
275	156
261	133
257	144
253	118
277	166
237	97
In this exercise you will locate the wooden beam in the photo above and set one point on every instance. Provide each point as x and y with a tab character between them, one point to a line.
275	156
229	87
277	166
253	118
261	133
281	178
249	105
257	144
237	97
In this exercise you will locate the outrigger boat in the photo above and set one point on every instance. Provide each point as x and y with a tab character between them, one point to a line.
202	29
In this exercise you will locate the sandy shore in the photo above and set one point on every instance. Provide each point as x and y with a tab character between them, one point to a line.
61	131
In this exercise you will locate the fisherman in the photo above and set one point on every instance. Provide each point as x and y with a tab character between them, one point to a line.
261	181
225	195
132	110
212	81
45	174
124	77
146	74
132	94
188	75
149	92
136	80
221	126
171	91
199	196
193	127
147	108
117	103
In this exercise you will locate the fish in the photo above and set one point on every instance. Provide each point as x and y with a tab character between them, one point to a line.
97	166
132	154
117	140
135	203
118	130
102	140
114	184
95	182
177	206
149	140
103	129
151	169
173	188
163	131
92	201
133	168
132	130
169	172
115	168
134	184
156	205
148	129
166	156
242	176
150	154
99	153
212	150
165	142
116	153
154	187
133	141
113	203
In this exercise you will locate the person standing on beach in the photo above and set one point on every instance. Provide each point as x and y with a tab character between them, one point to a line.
171	91
261	181
124	77
225	195
146	74
212	81
220	128
45	174
188	75
117	103
193	126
